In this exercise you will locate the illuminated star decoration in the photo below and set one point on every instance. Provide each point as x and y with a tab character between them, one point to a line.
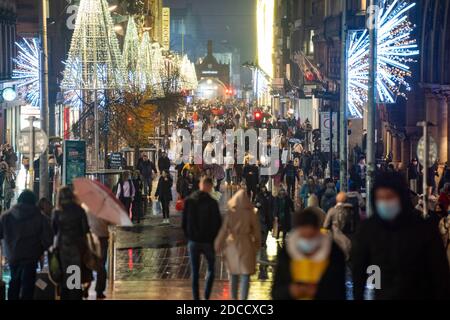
26	70
396	49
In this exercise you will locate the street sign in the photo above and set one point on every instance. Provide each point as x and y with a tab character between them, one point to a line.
432	151
40	142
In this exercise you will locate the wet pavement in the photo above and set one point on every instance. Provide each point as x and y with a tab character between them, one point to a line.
152	262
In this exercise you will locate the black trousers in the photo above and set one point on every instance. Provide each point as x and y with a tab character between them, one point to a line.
23	278
100	285
127	204
165	209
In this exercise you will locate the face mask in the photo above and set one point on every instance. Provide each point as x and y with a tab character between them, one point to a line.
388	210
308	246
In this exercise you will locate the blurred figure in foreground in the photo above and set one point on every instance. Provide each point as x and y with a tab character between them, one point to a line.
311	265
201	223
239	239
26	234
71	227
407	249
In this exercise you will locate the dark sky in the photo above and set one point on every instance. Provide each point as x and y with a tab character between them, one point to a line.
230	20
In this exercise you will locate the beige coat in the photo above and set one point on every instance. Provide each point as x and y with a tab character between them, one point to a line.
239	238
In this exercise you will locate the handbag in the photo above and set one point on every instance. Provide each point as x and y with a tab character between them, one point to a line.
55	271
179	206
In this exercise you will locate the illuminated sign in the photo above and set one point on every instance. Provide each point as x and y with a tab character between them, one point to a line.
166	28
265	19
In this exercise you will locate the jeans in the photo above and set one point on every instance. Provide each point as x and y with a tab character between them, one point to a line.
244	283
23	279
148	184
196	249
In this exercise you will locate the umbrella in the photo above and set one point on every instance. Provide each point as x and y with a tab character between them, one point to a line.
295	141
101	202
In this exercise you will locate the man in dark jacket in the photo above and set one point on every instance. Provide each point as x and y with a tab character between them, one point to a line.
201	224
290	172
282	212
163	163
251	175
26	234
146	167
407	250
311	265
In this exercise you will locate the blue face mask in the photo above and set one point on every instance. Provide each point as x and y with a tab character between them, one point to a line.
308	246
388	210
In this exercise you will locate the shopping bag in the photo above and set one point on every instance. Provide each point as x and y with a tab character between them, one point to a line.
179	206
156	208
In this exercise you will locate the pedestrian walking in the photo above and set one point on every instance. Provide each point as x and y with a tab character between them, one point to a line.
264	204
251	175
164	194
163	163
201	223
309	188
239	240
328	199
282	213
126	191
137	202
26	235
70	225
338	221
147	168
99	227
311	266
406	248
291	175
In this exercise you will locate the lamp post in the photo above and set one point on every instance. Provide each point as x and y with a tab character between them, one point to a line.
373	11
43	86
343	150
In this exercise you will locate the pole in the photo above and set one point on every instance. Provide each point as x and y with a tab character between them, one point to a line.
343	150
43	161
31	119
331	142
425	164
96	134
372	103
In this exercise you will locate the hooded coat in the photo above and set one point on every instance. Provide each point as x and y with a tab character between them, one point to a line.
408	251
240	238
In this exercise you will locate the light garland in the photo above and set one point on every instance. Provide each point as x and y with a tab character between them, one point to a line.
27	69
396	49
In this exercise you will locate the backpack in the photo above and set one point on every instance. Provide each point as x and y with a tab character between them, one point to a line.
346	219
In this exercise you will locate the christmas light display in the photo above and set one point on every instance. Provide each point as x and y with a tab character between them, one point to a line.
26	70
94	47
396	49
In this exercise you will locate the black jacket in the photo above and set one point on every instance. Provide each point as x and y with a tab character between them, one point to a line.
285	218
330	287
264	204
250	174
201	218
163	164
410	255
26	234
146	168
164	189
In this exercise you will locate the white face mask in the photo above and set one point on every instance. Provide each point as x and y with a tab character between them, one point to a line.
308	246
388	210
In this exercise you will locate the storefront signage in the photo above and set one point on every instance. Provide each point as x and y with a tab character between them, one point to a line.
74	163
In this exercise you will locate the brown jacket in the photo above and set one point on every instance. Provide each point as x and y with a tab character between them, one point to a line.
239	238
